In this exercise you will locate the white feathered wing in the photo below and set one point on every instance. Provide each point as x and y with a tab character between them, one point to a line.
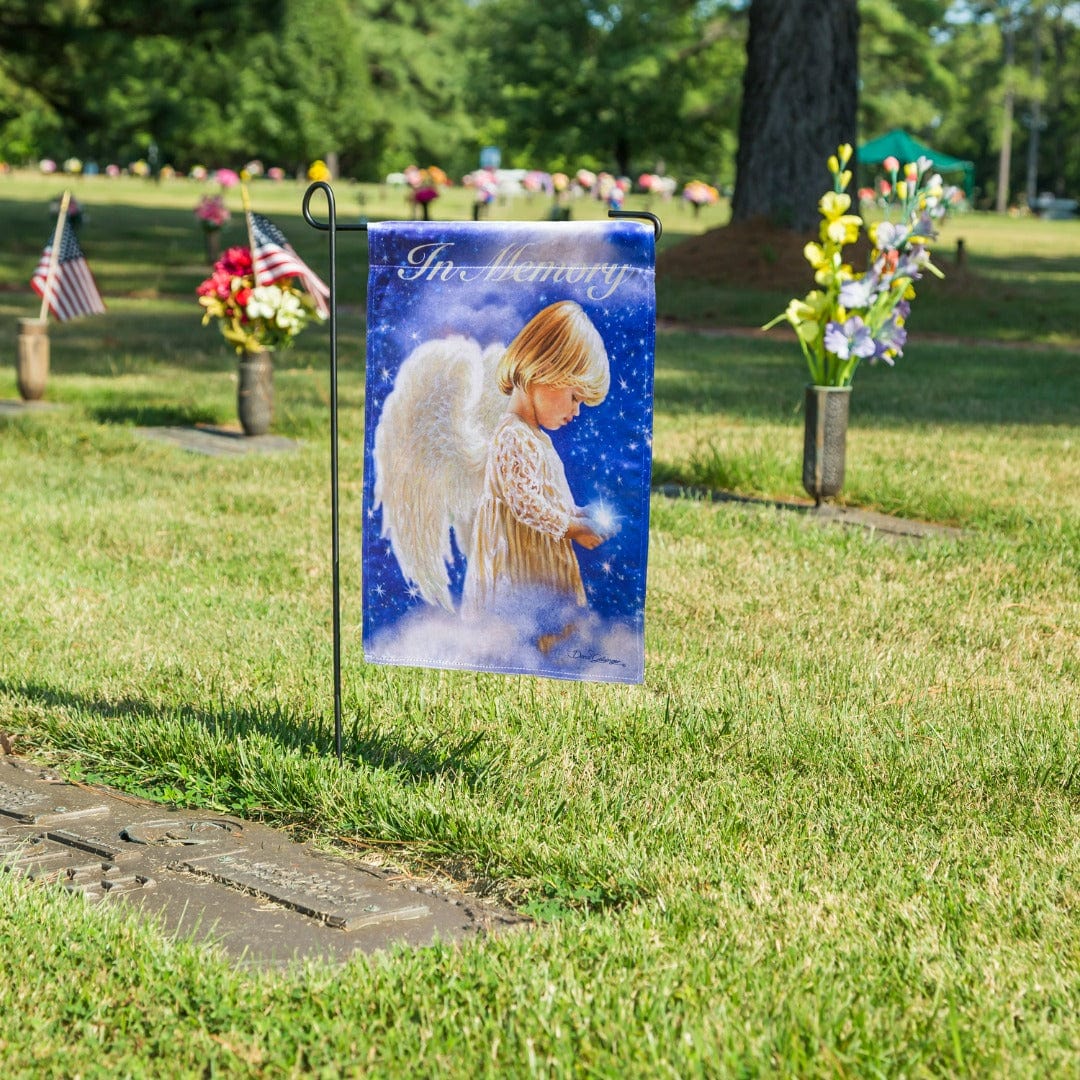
431	447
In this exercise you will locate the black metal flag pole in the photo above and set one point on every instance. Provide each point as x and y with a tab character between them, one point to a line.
645	215
331	227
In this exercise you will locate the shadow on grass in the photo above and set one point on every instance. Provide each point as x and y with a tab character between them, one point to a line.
443	756
1020	297
149	250
933	383
152	415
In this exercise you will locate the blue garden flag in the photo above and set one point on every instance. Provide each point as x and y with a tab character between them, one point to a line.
508	447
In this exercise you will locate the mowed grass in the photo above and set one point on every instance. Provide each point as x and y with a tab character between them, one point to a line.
833	834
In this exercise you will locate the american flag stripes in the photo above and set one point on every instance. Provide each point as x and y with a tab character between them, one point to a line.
72	291
273	259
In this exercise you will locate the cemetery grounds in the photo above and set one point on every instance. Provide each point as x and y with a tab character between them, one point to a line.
835	833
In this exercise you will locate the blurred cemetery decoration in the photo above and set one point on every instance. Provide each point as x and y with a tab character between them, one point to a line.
900	145
566	96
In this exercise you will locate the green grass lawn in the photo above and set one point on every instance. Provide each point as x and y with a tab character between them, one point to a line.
835	833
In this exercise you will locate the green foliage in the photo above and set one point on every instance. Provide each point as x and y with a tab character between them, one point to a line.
628	87
904	82
379	84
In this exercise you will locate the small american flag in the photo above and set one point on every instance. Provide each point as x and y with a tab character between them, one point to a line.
273	259
73	291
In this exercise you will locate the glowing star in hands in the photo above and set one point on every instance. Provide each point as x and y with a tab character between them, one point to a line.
602	518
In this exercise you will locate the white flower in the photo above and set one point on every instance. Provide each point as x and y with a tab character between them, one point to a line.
290	313
264	303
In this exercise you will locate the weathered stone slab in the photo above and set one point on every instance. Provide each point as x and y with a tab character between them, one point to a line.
248	889
312	886
18	407
40	807
218	441
884	525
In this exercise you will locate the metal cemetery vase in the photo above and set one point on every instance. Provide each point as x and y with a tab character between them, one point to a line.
32	363
255	393
213	245
825	440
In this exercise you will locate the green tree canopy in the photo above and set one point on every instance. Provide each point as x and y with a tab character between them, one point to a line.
610	86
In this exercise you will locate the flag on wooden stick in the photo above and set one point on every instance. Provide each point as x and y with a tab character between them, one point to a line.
63	279
273	258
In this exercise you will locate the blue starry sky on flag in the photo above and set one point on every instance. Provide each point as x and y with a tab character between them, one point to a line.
468	287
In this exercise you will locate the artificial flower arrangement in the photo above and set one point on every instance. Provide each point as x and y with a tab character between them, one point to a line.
857	316
212	213
699	194
253	318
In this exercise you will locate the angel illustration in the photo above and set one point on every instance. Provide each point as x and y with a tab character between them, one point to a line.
462	445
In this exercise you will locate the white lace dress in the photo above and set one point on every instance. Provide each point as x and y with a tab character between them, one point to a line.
519	540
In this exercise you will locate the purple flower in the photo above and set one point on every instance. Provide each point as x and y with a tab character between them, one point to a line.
888	235
890	340
850	338
859	293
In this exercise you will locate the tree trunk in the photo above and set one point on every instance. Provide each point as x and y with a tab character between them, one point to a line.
800	96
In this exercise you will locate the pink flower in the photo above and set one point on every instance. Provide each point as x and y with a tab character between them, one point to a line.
227	178
212	211
236	261
891	164
218	284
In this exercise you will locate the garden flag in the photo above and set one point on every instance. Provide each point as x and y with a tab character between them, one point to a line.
65	283
273	258
508	446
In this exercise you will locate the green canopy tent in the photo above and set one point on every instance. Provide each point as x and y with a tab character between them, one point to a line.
900	145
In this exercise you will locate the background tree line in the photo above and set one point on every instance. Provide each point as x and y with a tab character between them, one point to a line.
642	85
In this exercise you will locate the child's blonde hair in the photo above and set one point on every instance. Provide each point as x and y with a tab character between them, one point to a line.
558	346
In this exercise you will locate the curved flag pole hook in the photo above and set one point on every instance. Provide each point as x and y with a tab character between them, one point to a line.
645	215
331	227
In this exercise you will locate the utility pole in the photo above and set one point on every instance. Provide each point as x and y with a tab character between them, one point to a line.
1035	119
1005	156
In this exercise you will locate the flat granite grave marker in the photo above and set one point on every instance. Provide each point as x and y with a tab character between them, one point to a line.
18	407
249	889
218	441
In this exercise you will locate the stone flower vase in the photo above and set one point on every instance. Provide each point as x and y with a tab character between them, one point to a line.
213	244
255	392
32	362
825	440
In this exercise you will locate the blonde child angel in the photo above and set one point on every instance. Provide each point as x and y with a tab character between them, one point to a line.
527	521
462	443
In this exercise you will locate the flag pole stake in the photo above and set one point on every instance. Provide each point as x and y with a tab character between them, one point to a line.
54	257
331	227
